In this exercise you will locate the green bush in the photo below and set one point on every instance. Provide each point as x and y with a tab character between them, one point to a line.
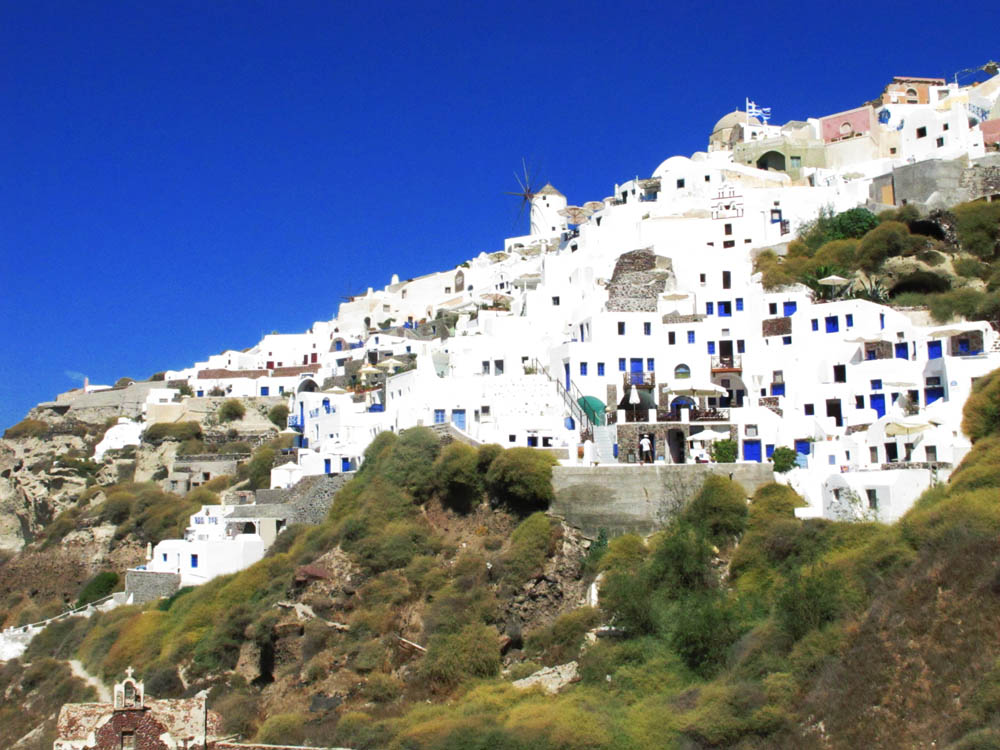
529	547
724	451
258	468
784	459
457	477
239	712
474	651
278	415
26	428
98	587
487	453
977	225
176	431
808	600
282	729
231	410
719	508
561	641
887	240
981	413
163	681
681	561
521	479
410	461
703	628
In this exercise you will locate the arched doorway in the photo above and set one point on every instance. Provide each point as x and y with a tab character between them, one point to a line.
772	160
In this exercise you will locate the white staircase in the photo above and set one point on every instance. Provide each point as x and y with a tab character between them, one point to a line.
605	437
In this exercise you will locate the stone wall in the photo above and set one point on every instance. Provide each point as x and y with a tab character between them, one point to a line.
638	280
147	585
980	181
624	499
310	499
776	327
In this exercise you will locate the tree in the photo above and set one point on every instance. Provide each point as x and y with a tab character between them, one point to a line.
784	459
278	416
723	451
521	478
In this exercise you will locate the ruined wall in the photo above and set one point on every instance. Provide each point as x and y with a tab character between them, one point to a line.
624	499
147	585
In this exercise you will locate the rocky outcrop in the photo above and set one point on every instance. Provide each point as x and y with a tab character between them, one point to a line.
550	679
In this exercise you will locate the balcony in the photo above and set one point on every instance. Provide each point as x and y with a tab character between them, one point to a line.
732	363
694	415
638	378
293	421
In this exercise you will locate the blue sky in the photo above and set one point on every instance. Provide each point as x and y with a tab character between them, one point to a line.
178	178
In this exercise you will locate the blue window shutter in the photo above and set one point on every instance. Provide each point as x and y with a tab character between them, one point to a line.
690	337
739	303
650	364
709	308
621	364
815	324
583	368
711	347
832	324
600	368
789	308
933	350
849	320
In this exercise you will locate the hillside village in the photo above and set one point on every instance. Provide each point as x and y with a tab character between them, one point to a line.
636	338
640	316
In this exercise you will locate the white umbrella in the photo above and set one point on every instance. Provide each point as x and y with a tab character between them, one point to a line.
389	363
703	389
832	280
676	295
633	396
593	206
337	390
905	427
709	436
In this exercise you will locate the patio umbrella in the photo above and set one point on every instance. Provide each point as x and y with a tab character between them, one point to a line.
633	396
389	363
905	427
575	214
593	206
703	389
709	436
832	280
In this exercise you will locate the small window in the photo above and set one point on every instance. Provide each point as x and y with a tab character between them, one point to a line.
671	338
650	364
772	308
680	182
708	178
447	290
711	347
873	454
484	410
600	368
647	328
727	279
532	441
709	308
621	364
729	243
701	278
498	367
786	340
840	373
512	438
583	368
194	561
832	324
872	499
682	372
728	229
930	453
740	346
739	304
750	430
859	402
815	324
486	367
922	132
690	337
621	327
876	385
439	416
795	162
809	409
555	302
933	381
849	320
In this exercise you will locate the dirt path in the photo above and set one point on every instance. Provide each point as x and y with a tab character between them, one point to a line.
103	694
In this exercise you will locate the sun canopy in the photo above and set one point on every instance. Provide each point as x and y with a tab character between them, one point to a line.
593	407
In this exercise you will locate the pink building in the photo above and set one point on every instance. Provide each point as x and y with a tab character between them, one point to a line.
991	133
849	124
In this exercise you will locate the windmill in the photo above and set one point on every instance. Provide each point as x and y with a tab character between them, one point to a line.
526	194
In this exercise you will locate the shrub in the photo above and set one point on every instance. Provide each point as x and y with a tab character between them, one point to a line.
457	477
474	651
681	561
117	508
561	641
837	253
723	451
887	240
239	713
163	681
703	628
784	459
486	455
981	413
278	415
720	508
410	461
521	479
529	546
231	410
176	431
258	468
26	428
625	553
98	587
978	228
382	688
282	729
808	600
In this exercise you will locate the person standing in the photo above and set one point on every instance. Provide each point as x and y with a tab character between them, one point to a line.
645	449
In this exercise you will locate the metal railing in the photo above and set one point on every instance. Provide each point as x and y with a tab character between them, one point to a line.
694	415
734	362
570	396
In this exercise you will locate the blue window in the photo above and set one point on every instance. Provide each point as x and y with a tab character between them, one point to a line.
777	389
815	324
725	309
647	328
902	350
933	350
281	390
621	327
439	416
583	368
621	364
709	308
870	354
788	308
711	347
769	450
832	324
751	450
338	345
933	394
650	364
458	418
690	337
739	304
326	466
848	320
199	394
265	390
600	368
876	385
831	460
194	561
740	346
881	320
164	557
786	340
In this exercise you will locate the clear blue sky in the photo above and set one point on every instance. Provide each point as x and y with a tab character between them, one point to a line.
177	178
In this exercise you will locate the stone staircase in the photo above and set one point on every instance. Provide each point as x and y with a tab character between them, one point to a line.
604	443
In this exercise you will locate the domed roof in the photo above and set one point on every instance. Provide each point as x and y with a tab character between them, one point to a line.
733	119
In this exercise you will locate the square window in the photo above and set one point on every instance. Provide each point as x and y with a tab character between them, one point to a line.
484	410
945	126
832	323
680	183
922	132
555	302
439	416
621	327
647	328
708	178
940	141
786	340
725	309
690	337
795	162
600	368
809	409
512	438
876	385
621	364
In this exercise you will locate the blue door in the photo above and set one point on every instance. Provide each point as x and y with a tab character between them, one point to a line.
302	415
566	367
458	417
327	465
902	351
751	450
635	368
933	394
345	464
877	401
